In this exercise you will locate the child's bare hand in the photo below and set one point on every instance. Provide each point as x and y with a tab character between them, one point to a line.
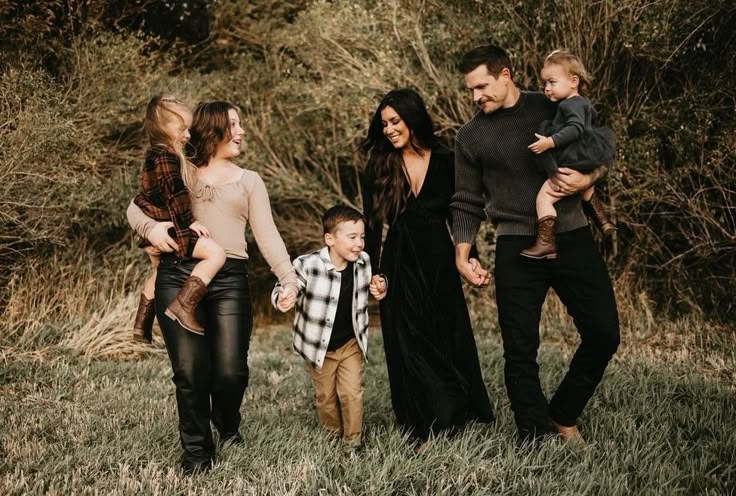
286	299
199	228
378	287
152	250
542	144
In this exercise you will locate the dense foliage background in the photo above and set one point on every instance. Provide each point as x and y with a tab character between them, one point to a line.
76	75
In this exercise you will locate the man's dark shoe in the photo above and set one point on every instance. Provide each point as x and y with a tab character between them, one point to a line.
190	467
234	440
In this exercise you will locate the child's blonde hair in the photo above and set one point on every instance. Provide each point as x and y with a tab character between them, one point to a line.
160	110
572	65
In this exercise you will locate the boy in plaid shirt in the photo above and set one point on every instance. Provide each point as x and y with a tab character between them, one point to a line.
331	321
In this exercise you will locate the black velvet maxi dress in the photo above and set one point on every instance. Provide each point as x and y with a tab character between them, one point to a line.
433	368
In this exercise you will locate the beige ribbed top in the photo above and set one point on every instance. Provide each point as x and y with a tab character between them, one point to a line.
225	210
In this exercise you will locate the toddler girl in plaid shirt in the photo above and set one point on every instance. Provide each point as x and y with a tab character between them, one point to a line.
166	178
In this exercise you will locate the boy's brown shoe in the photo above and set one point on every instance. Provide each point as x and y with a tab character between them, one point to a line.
544	246
143	327
594	208
182	307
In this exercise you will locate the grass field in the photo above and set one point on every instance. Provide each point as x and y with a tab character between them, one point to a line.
660	423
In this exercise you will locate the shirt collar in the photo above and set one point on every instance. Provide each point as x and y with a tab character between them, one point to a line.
324	254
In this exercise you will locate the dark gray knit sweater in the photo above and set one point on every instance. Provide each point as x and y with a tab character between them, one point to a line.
495	169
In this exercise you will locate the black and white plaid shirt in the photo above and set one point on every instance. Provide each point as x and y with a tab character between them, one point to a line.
319	290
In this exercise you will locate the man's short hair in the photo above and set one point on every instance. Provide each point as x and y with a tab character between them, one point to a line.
337	214
493	57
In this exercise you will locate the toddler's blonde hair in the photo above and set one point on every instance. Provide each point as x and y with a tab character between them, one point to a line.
572	65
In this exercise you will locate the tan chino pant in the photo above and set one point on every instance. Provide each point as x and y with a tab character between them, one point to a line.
339	393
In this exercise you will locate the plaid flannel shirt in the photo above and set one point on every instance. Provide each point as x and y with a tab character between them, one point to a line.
163	195
316	305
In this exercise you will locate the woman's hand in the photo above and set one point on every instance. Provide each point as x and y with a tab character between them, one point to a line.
199	228
159	237
378	287
286	299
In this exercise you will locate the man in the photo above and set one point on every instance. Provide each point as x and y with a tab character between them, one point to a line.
494	166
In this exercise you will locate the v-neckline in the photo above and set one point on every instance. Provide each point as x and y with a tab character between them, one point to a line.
424	179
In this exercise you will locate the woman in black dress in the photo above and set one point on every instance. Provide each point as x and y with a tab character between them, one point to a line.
433	368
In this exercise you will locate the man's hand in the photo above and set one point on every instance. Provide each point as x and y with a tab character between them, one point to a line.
199	228
159	237
286	299
542	144
568	181
378	287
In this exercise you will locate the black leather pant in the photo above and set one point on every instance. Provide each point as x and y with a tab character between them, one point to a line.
210	371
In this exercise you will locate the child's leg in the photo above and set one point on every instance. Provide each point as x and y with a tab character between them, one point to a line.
325	393
546	202
350	391
587	194
212	258
150	285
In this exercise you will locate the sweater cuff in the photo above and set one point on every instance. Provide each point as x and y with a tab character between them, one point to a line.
284	272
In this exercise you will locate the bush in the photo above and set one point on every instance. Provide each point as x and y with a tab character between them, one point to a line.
308	76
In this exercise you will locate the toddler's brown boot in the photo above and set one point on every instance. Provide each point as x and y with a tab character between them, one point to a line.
182	307
143	327
544	246
594	208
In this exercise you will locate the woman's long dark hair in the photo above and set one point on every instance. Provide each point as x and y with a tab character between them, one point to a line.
385	164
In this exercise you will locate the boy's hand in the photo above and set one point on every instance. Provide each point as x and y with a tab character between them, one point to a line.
286	299
199	228
378	287
542	144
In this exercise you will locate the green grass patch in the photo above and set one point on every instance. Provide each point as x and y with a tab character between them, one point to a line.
73	426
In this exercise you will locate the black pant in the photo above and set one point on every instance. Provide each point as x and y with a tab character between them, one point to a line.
581	281
210	371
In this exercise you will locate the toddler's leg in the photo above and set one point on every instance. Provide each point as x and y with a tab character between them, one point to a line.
545	201
544	246
350	391
182	307
587	194
143	326
212	258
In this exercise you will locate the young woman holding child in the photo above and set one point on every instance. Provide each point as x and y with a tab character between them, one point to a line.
433	367
211	371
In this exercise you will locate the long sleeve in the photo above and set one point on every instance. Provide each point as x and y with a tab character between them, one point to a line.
374	227
267	235
139	222
468	202
572	112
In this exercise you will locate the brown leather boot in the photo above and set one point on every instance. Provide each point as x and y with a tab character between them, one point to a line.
182	307
544	246
594	208
143	327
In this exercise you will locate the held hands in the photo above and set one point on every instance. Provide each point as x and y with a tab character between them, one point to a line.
473	272
160	239
378	287
199	228
542	144
286	299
